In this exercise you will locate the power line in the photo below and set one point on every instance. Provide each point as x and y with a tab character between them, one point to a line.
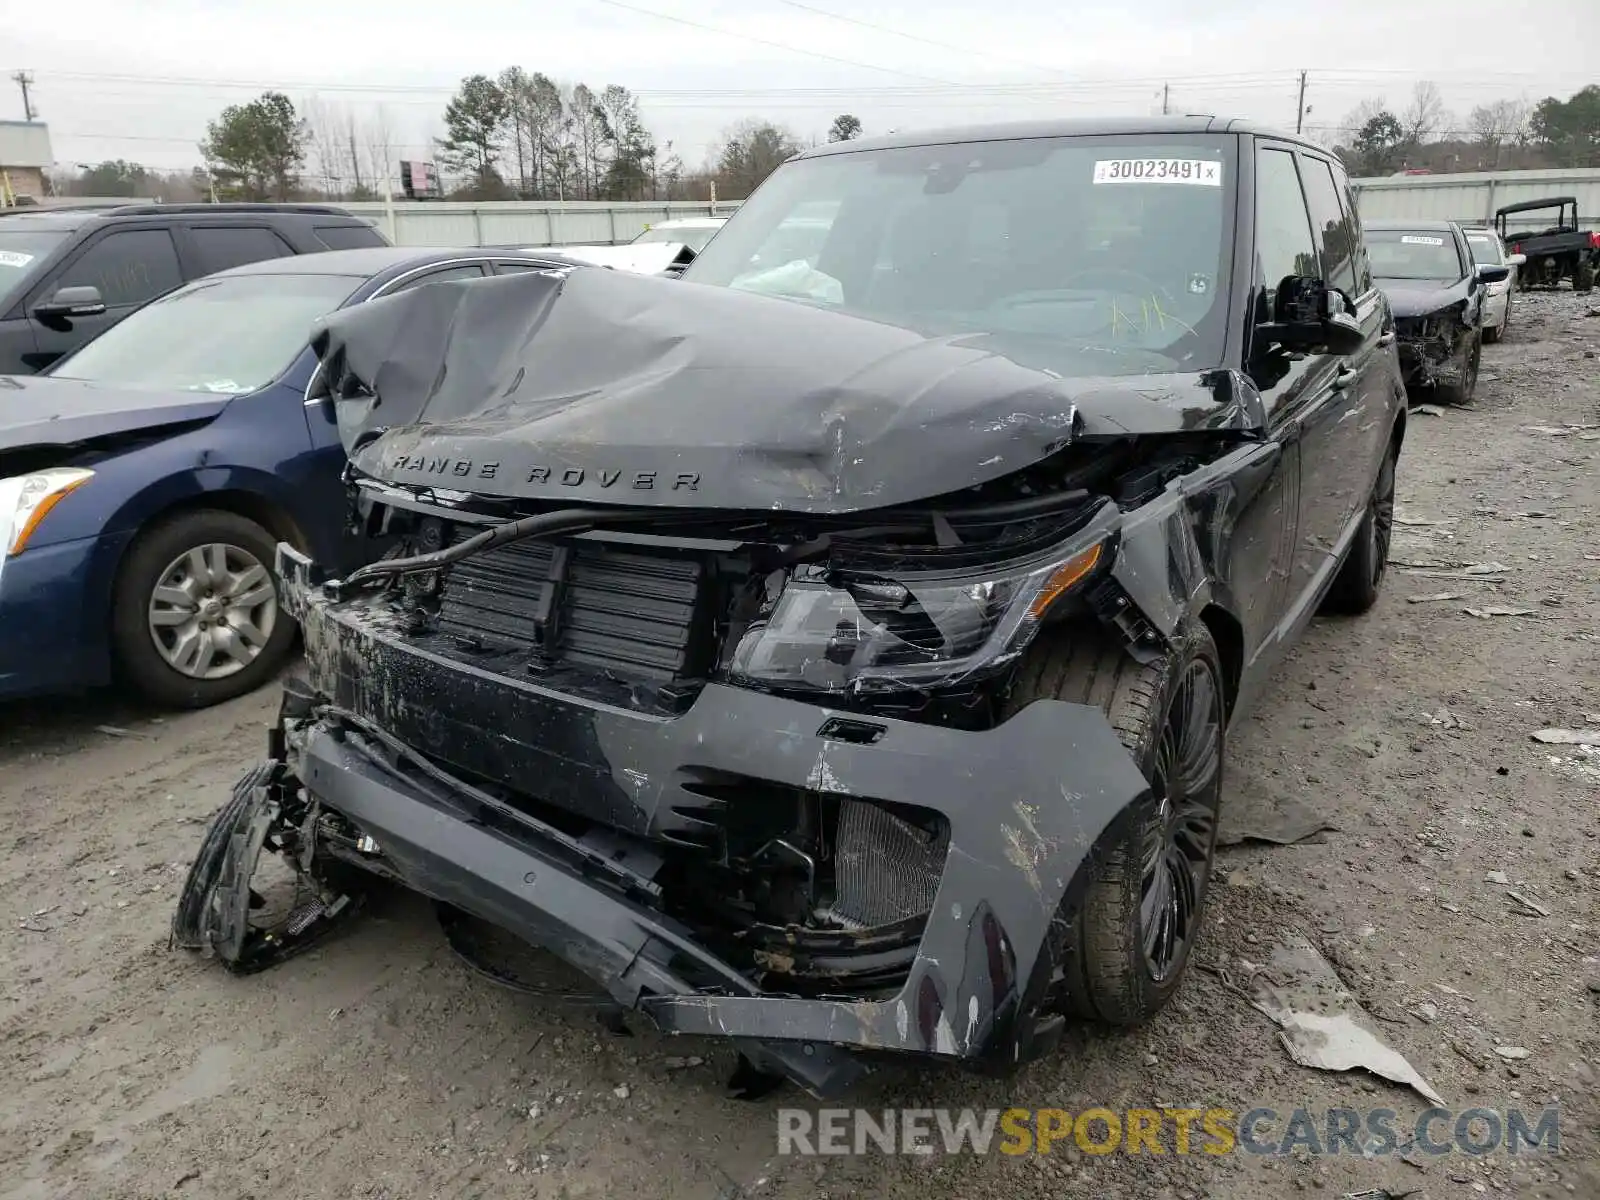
964	51
745	37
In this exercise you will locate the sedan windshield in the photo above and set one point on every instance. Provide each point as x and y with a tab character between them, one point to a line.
693	236
20	252
1419	254
233	334
1055	249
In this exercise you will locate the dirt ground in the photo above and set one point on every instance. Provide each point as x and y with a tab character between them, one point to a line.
377	1066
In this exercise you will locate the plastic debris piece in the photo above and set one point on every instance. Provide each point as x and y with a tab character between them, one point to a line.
1567	737
1428	410
1320	1023
1496	610
1435	596
1529	904
1513	1053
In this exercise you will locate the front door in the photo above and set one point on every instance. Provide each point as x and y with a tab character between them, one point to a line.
126	266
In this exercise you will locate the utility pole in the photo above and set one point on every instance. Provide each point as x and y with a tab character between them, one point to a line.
1166	95
24	80
1300	105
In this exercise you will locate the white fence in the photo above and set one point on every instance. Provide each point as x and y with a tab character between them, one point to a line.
1474	195
527	222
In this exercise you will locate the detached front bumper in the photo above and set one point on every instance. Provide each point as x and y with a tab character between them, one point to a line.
1025	802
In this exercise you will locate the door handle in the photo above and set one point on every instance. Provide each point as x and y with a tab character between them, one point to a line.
1344	376
1386	339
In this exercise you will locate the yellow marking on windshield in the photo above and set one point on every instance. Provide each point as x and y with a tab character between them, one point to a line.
1149	307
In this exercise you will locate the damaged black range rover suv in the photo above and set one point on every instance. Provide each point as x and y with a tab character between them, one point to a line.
837	655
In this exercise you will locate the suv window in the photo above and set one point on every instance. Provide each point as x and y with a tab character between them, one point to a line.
348	237
1284	245
1336	232
129	266
1363	259
221	247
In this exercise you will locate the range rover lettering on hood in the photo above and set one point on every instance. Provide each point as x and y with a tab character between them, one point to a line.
596	385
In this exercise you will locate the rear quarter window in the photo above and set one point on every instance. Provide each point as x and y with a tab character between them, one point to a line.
348	237
222	246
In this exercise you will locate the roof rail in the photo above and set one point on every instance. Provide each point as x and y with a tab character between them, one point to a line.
157	210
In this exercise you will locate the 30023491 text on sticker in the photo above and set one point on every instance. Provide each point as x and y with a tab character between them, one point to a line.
1199	171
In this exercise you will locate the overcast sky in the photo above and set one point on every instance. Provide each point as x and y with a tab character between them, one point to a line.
139	80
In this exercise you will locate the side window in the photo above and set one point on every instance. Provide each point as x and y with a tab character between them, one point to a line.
129	266
221	248
1283	232
348	237
443	275
516	268
1363	259
1335	234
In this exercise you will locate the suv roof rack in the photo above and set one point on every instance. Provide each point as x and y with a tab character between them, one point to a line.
157	210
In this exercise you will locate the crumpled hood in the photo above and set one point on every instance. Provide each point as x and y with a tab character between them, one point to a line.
39	410
603	387
1419	297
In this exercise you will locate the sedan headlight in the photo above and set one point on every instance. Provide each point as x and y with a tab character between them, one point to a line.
840	631
26	499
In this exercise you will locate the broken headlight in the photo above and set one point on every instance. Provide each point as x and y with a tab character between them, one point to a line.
841	631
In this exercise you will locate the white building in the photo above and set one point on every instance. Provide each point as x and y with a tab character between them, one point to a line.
25	155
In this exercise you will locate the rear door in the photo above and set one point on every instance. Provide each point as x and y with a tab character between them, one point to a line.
127	264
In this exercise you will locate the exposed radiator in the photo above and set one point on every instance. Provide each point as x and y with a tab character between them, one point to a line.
885	869
578	604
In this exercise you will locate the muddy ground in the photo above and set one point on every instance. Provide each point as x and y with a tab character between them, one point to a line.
378	1067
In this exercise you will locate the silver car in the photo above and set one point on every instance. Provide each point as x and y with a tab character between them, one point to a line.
1487	248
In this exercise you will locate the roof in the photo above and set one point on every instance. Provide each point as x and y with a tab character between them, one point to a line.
1418	225
1530	205
370	261
1059	127
69	217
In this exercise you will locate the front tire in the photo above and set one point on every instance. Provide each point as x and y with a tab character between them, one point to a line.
1119	954
195	614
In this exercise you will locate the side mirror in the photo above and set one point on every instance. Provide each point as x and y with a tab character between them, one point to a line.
1517	260
1312	316
69	302
1489	273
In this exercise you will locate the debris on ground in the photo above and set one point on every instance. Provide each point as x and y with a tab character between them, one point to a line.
1534	906
1320	1023
1568	737
1278	819
1435	596
1513	1053
1499	877
1498	610
1428	410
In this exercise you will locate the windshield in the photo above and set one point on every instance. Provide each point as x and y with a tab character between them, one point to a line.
1116	248
20	252
1399	254
234	334
693	236
1485	249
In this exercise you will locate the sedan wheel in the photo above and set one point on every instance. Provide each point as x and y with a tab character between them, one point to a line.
213	611
195	616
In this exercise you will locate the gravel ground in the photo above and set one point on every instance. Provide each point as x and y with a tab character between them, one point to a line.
377	1067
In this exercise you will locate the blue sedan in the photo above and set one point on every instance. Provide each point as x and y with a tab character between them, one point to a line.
146	479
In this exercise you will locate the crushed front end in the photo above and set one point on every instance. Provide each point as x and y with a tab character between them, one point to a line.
1434	349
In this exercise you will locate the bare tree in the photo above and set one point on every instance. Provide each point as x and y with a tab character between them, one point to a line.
377	138
1497	125
328	160
1425	116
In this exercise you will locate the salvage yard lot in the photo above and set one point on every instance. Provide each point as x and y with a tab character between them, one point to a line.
377	1066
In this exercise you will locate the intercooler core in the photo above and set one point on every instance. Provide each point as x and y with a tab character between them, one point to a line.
886	869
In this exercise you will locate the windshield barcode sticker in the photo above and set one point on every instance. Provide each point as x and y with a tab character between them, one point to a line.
14	258
1159	170
1413	239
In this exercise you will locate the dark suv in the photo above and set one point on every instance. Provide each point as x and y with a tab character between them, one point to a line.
67	274
838	652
